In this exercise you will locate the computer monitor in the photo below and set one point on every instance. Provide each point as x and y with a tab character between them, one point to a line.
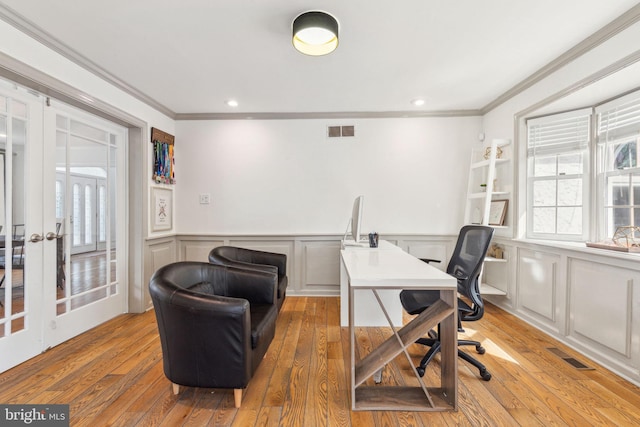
356	218
355	223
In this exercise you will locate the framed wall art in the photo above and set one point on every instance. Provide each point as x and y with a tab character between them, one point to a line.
498	212
162	208
163	161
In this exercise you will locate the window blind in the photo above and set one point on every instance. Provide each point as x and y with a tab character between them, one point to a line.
619	118
560	133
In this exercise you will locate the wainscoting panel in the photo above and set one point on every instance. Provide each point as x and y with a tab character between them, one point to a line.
430	250
601	303
197	250
320	266
159	253
537	278
313	261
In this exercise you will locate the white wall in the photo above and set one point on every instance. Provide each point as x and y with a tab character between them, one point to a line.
287	177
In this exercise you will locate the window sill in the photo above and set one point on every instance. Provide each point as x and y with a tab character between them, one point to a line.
582	248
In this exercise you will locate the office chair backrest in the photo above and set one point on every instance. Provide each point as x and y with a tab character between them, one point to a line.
466	264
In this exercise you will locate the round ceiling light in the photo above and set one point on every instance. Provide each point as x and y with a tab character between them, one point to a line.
315	33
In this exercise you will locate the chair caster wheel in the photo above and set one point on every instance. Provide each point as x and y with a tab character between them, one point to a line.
485	375
420	371
480	349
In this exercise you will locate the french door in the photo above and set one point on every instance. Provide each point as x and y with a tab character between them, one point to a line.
63	171
23	250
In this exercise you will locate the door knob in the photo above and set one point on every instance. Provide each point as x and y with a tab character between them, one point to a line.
51	236
35	238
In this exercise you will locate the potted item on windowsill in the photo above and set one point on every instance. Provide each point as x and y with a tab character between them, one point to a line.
483	188
624	240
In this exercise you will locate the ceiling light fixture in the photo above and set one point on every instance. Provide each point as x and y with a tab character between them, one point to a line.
232	103
418	102
315	33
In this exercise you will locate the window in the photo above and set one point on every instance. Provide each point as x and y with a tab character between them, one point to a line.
557	176
102	214
618	166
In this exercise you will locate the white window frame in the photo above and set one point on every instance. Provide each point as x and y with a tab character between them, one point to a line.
618	121
556	145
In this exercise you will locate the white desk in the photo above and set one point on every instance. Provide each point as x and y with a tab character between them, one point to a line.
372	271
366	312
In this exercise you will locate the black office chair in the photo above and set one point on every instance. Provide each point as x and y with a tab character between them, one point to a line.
465	265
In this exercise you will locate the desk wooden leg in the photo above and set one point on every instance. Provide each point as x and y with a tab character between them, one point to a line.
449	350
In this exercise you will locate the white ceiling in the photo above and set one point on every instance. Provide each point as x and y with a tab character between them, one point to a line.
190	56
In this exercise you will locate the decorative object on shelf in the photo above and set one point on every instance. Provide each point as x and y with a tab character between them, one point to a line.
487	153
477	216
625	236
498	212
495	251
163	161
483	187
162	199
315	33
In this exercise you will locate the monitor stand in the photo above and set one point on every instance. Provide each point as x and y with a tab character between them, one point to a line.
353	243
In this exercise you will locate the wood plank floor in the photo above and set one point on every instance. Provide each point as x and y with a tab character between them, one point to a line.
112	375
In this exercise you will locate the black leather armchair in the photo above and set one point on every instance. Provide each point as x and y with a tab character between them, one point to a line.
253	259
215	323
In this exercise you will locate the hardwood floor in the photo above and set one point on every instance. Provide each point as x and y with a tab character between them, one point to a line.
112	375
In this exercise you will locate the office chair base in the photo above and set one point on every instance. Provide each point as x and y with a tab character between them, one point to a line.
435	348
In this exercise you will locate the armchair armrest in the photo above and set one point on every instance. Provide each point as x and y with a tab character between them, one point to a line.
247	265
249	258
254	285
272	259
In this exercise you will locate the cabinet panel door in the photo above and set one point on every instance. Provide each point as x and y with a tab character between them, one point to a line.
537	278
601	304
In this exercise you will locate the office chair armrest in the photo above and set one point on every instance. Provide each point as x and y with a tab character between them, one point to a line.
428	260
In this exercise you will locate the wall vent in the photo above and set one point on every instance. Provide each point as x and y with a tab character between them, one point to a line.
334	132
341	131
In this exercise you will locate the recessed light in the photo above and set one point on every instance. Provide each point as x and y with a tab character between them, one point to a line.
417	102
232	103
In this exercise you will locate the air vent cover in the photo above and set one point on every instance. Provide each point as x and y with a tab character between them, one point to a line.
341	131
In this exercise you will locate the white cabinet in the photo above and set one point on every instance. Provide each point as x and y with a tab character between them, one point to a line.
487	184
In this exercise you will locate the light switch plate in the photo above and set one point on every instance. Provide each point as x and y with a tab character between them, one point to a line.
205	199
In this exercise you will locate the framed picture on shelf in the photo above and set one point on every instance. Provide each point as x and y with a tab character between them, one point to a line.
162	199
498	212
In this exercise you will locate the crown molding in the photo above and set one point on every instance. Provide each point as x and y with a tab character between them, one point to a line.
625	20
327	115
42	83
616	26
585	82
21	23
